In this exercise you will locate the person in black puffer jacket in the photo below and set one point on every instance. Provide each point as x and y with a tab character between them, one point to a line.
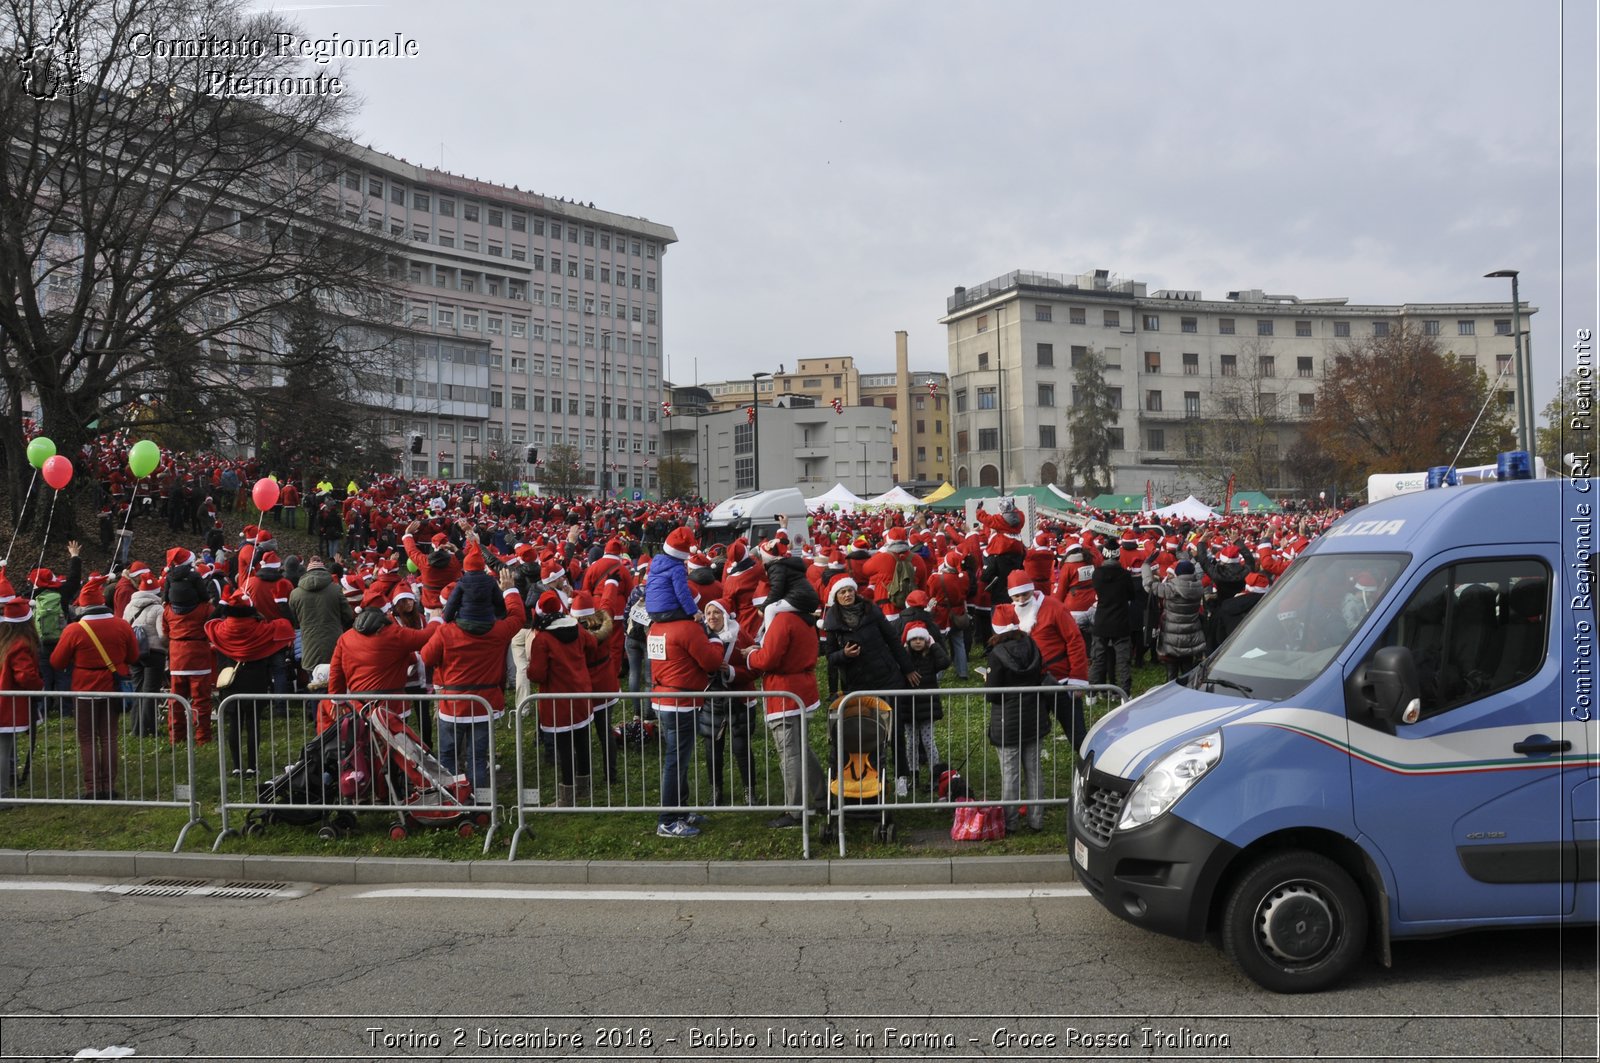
1114	593
787	585
1182	641
861	644
1017	722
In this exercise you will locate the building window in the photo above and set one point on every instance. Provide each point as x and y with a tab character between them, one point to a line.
1047	437
1267	406
983	359
1155	439
1264	328
1112	318
961	401
1114	398
1046	354
1225	326
1191	363
1189	324
1308	405
1191	404
1047	394
1152	400
963	441
986	398
1380	328
1079	353
983	322
1341	329
1114	437
1302	328
397	194
1502	326
988	439
1152	361
922	427
1466	328
1302	366
1077	315
1430	328
1152	322
420	201
1041	312
1502	364
1268	365
1230	365
1193	444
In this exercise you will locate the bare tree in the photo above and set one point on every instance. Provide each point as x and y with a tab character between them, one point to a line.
151	196
1093	417
562	472
676	476
1246	427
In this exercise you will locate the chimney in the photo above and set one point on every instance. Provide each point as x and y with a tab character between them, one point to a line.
902	375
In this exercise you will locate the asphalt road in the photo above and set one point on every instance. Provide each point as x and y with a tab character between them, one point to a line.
354	972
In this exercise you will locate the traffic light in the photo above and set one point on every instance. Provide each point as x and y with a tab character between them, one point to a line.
416	442
533	455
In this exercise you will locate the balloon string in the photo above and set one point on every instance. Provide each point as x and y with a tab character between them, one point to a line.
117	547
20	517
44	539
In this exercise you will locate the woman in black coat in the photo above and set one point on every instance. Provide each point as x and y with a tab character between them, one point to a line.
1017	722
861	643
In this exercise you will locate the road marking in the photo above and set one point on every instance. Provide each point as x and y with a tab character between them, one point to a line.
501	893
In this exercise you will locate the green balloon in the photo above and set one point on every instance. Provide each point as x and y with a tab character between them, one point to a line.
411	566
40	450
143	458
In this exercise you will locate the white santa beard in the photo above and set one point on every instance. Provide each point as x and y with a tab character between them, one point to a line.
1028	614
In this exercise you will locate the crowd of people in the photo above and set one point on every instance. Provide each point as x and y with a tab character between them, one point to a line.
424	587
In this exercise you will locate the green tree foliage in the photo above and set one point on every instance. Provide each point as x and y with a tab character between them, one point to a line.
1569	425
1093	417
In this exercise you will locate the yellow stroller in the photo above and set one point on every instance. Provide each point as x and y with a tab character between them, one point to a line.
860	738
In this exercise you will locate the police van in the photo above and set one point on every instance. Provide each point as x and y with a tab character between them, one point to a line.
1397	742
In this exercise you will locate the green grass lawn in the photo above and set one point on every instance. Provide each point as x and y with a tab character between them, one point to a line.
736	834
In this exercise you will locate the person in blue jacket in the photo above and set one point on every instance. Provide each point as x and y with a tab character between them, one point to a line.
666	585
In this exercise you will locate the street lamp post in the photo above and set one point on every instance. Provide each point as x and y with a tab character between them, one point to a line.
755	429
1524	400
866	491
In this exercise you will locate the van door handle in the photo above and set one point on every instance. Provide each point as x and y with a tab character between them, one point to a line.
1541	744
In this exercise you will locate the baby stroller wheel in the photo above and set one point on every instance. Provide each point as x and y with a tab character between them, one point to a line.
481	819
398	832
889	832
328	832
466	830
254	829
825	835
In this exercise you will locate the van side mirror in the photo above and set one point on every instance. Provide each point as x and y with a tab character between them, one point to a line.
1386	688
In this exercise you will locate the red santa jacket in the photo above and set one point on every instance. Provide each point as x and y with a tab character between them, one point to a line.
473	664
376	663
77	652
1056	634
19	670
787	661
880	571
947	592
435	578
739	589
270	597
558	663
188	651
682	660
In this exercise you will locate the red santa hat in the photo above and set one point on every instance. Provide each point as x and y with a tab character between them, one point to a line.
42	579
614	547
736	551
270	559
835	560
1257	583
16	610
440	540
549	603
234	598
896	540
553	571
699	560
952	561
401	592
1003	619
526	554
915	631
149	582
582	604
263	536
134	570
375	599
178	556
472	559
917	600
7	591
840	584
1041	540
774	548
1019	582
680	541
93	591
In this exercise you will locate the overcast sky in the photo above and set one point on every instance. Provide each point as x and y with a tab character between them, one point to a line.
834	169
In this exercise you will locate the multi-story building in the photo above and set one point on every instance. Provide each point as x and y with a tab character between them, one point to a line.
539	321
1174	363
793	445
920	450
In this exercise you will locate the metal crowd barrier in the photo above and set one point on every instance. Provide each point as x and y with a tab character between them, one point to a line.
87	747
367	760
631	739
863	744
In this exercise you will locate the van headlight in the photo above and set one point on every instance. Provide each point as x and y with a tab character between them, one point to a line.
1169	779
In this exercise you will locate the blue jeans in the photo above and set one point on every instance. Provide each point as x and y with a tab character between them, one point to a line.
677	755
958	652
464	749
638	668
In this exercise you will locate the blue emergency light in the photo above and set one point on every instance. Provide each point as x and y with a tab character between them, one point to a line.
1442	476
1513	465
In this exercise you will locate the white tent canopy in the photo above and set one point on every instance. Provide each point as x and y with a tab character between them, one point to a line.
1190	508
895	496
838	497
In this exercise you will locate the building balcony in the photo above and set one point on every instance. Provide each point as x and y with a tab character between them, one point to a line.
807	451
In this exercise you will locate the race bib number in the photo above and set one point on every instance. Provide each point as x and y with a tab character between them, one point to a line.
656	646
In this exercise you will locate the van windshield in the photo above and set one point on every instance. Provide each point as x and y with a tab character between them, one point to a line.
1302	623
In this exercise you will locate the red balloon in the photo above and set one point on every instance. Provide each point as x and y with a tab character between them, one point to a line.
58	471
265	493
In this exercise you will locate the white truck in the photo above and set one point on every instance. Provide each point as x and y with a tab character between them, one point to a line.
755	515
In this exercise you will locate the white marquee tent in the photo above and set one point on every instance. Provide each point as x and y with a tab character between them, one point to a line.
839	497
1190	508
895	496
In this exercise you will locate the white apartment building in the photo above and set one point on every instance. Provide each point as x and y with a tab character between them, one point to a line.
804	446
538	321
1014	343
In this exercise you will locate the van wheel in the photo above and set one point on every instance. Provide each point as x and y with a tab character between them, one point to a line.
1295	923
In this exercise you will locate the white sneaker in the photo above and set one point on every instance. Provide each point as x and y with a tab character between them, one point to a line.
902	786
